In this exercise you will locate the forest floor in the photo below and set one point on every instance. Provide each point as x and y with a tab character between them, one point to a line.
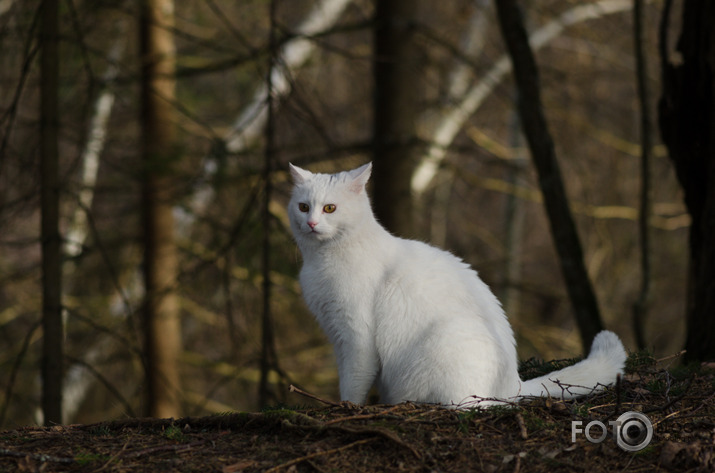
536	436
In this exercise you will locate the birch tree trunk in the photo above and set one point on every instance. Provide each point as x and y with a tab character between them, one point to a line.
161	311
563	228
250	124
52	327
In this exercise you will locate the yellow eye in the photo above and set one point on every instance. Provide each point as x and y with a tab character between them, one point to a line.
303	207
330	208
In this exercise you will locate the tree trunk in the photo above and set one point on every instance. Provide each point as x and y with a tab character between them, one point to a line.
563	228
161	312
52	327
687	125
268	358
397	72
640	307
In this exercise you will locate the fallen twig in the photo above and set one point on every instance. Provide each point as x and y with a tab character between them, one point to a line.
522	426
114	457
171	448
363	416
295	461
672	401
670	357
296	390
388	434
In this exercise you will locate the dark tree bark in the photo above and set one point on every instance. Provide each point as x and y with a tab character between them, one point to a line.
52	340
687	125
161	312
563	228
397	83
640	307
269	360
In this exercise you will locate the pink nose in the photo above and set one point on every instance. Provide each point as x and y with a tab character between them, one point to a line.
312	224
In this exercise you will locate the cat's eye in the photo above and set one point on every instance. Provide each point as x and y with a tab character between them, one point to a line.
303	207
330	208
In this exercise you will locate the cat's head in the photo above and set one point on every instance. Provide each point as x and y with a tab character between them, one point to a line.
325	207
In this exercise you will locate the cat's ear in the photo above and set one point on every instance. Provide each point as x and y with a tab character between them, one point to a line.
299	175
359	177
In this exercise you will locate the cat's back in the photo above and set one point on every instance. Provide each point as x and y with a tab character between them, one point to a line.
433	284
420	262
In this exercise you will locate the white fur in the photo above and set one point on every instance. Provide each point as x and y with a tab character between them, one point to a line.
412	318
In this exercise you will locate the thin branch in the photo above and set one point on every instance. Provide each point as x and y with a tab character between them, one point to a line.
107	384
296	390
84	51
447	129
319	454
292	55
228	25
31	49
15	368
289	55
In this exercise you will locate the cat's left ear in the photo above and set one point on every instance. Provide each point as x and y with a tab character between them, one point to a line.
299	175
359	177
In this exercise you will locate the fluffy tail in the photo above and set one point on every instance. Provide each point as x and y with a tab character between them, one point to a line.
603	364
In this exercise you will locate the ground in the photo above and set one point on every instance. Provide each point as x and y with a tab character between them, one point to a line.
536	436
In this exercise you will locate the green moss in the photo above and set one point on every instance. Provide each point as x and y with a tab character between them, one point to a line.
639	361
533	367
174	433
535	423
87	458
648	450
582	410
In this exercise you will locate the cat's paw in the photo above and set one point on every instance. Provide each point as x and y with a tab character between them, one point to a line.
349	405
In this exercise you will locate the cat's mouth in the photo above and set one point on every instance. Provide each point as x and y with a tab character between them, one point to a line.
317	234
312	232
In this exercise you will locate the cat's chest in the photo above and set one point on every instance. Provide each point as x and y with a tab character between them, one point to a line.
337	286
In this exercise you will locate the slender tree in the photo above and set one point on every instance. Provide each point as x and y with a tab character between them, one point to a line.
397	83
159	151
52	346
640	307
543	154
268	356
687	125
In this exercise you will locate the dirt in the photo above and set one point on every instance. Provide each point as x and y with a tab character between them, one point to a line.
535	436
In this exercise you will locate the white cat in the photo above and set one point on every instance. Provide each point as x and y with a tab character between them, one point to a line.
412	318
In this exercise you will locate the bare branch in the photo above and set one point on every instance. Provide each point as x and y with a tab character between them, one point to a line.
454	119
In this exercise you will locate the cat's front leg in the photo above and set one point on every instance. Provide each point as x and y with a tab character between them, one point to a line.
358	366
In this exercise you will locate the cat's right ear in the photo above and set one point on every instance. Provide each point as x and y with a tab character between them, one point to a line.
360	177
299	175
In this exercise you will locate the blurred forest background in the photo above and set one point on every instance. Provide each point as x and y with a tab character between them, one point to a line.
171	184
